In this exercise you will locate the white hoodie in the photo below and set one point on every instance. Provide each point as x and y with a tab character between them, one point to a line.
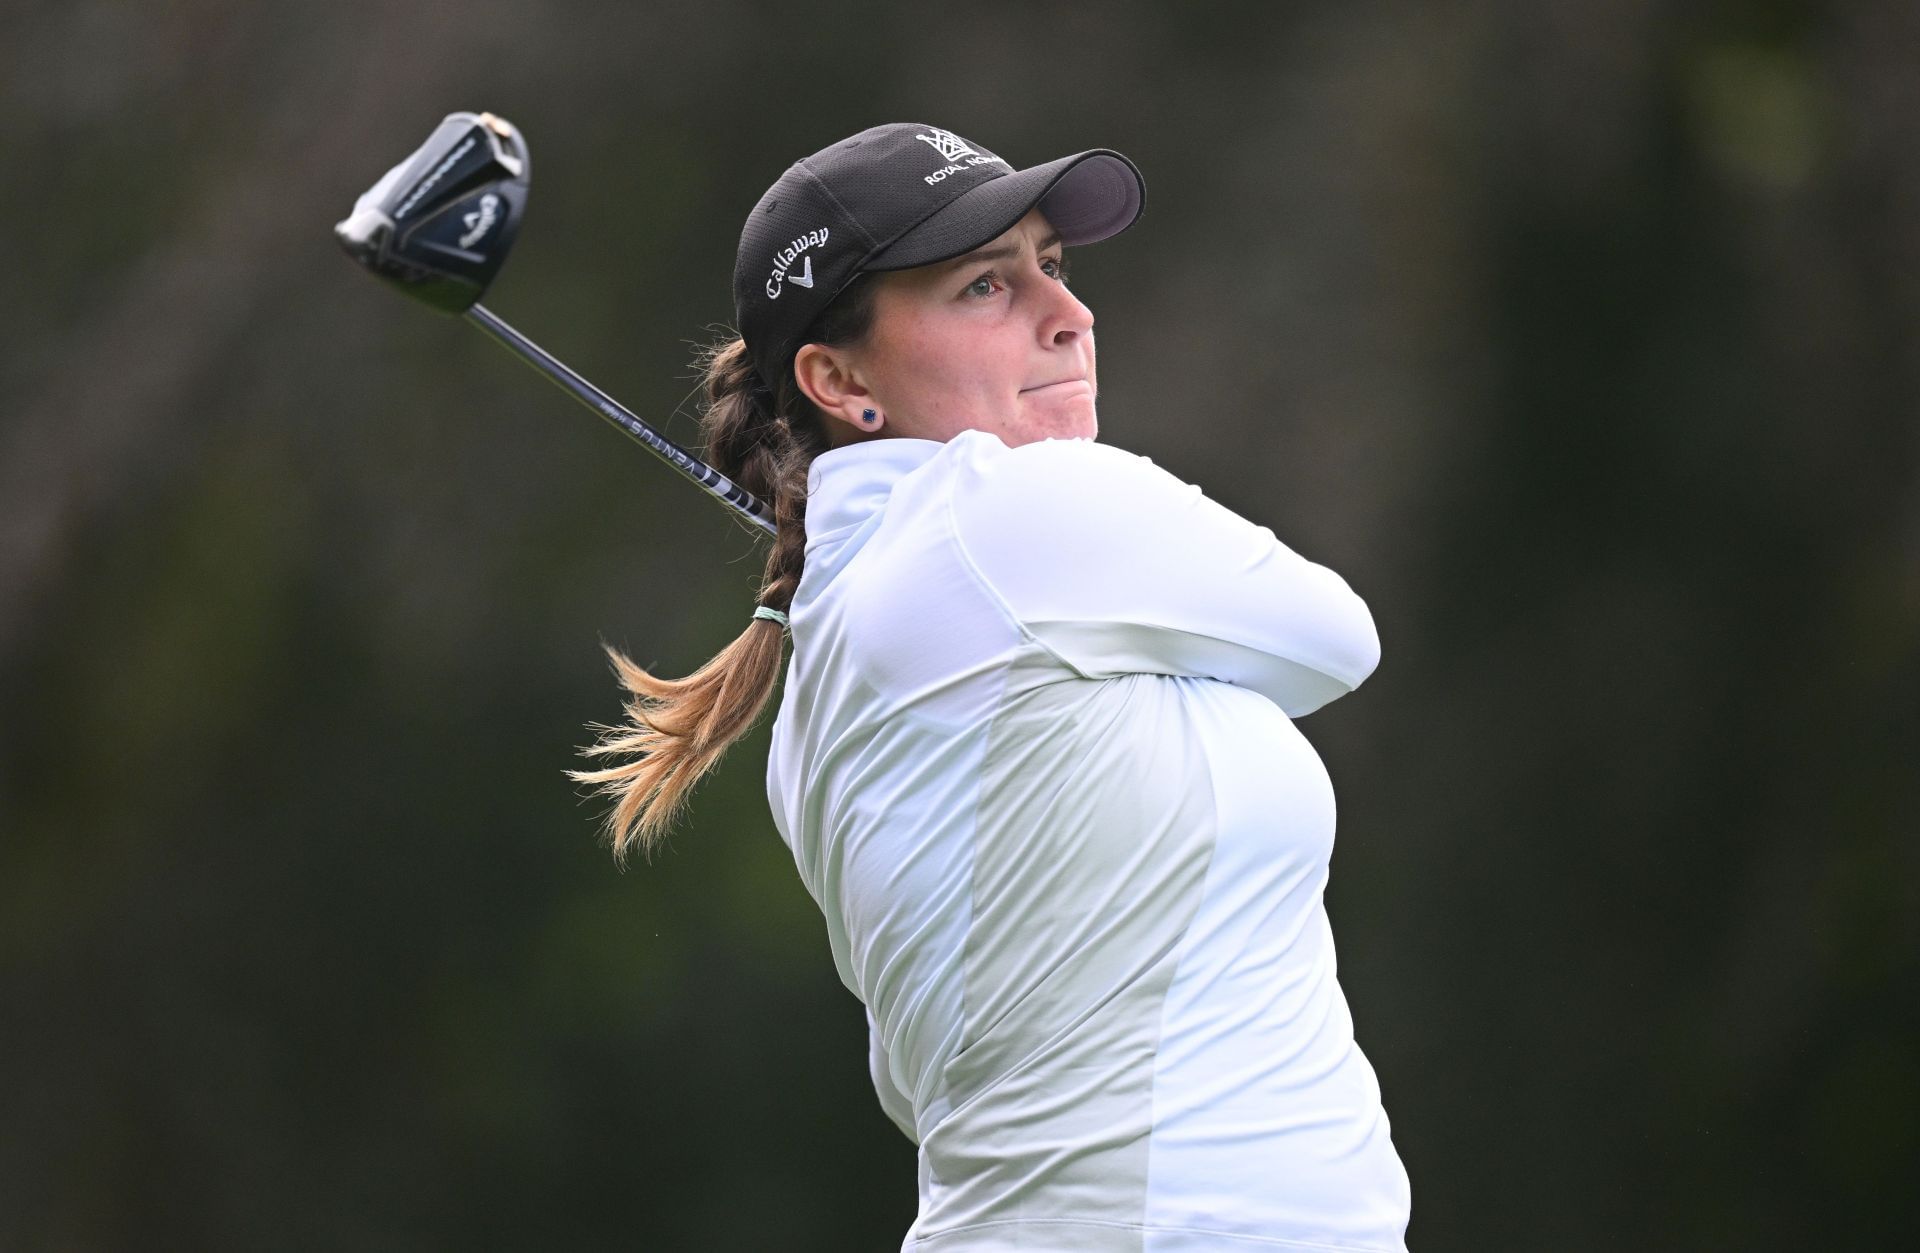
1035	761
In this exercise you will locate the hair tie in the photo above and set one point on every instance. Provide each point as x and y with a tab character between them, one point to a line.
772	614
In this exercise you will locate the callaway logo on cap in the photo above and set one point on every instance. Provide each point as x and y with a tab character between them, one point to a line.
894	197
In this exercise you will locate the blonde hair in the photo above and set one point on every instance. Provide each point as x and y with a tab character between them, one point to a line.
679	729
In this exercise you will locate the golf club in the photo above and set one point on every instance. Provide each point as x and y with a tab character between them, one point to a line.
438	226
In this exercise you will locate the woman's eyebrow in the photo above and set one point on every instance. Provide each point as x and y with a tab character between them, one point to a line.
998	254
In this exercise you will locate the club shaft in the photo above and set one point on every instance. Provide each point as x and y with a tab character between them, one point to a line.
719	485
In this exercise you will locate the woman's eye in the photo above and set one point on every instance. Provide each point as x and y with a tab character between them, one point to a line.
1054	268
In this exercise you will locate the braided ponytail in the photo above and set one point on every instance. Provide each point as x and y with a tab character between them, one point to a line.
679	729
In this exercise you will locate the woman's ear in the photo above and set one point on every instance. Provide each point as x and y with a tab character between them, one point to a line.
827	378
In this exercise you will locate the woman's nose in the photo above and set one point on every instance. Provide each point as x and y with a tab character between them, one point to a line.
1068	316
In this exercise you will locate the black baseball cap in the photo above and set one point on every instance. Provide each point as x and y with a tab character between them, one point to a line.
894	197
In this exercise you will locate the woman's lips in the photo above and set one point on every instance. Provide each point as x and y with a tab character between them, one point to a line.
1064	383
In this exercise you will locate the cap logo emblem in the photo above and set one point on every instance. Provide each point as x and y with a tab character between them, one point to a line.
947	144
959	156
783	261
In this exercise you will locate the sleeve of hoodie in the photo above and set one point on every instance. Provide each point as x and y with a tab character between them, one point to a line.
1119	567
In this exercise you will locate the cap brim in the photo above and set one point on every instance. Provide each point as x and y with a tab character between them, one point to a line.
1087	197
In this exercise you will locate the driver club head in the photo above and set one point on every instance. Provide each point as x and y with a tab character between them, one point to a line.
439	224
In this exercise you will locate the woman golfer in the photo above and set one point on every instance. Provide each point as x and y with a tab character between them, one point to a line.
1035	753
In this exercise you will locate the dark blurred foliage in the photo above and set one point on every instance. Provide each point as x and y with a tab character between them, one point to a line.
1581	336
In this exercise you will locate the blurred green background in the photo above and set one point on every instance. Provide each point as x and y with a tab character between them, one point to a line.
1581	336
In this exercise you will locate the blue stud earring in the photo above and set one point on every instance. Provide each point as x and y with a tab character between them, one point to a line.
868	415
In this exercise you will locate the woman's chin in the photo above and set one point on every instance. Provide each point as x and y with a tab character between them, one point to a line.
1070	417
